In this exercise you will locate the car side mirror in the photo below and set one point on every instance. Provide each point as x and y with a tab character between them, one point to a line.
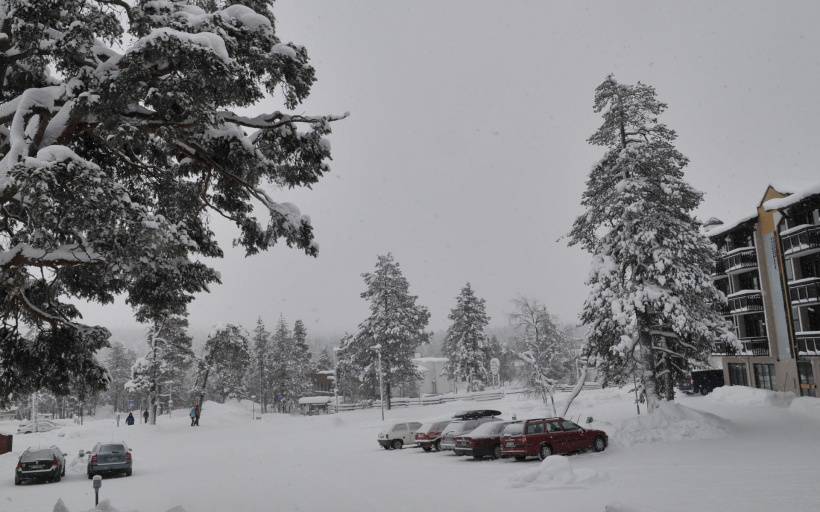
589	420
81	454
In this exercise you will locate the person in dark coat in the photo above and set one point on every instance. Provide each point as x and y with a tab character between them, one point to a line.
197	411
130	419
145	415
193	416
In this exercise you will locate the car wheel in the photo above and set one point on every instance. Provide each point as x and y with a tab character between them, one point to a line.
497	452
599	444
129	472
519	458
16	481
426	448
437	446
90	476
63	472
478	457
544	452
397	444
57	477
386	446
704	391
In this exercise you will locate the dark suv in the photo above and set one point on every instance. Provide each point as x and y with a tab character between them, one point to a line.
548	436
109	458
42	464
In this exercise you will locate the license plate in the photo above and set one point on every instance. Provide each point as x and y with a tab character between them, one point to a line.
510	445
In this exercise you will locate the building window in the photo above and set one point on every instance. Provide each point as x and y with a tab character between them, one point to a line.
796	318
764	376
738	375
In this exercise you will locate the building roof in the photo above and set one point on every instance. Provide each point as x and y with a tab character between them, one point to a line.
791	200
729	226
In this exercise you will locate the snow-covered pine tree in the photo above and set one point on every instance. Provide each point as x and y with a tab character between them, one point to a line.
119	136
324	362
163	367
258	373
303	361
282	353
544	348
396	324
118	364
652	306
465	344
224	363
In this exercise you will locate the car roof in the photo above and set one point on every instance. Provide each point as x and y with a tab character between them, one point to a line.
476	413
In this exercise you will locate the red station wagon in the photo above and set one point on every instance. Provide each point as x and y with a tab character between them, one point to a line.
549	436
429	435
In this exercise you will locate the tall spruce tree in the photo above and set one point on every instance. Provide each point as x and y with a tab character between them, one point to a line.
119	137
652	305
221	370
396	324
258	374
302	361
465	344
163	367
118	364
282	365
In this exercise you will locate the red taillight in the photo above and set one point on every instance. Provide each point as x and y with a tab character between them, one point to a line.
128	456
19	465
55	462
94	459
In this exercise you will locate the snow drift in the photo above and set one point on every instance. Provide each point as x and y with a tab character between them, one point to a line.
747	396
556	471
806	406
670	422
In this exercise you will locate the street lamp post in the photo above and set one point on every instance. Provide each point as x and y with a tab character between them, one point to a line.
378	349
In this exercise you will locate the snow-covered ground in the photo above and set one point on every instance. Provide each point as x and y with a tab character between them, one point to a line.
741	449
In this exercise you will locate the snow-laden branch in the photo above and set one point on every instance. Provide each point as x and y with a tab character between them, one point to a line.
64	255
277	119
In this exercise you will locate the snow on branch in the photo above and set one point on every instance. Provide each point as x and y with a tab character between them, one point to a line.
64	255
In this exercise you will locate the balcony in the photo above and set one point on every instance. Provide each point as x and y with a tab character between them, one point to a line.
757	346
799	239
805	291
739	260
720	268
746	301
808	343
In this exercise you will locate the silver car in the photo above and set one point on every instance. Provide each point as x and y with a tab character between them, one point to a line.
110	458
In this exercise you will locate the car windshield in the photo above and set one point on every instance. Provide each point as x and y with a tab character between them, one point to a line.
513	429
112	448
490	429
36	455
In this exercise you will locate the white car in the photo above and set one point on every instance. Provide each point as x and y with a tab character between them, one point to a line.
398	435
27	427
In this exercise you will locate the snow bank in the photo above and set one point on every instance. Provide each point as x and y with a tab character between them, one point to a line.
104	506
670	422
744	395
554	472
806	406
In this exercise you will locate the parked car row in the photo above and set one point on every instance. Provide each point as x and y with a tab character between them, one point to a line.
482	433
48	464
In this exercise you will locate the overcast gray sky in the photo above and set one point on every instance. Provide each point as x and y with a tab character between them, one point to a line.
465	151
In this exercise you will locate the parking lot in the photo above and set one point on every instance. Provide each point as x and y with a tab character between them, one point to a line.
334	462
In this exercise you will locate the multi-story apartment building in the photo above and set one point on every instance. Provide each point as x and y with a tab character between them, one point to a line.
769	270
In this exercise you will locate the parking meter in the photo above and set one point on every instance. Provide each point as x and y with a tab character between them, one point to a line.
97	483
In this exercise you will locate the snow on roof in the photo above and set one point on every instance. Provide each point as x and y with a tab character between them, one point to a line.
315	400
430	360
729	226
785	202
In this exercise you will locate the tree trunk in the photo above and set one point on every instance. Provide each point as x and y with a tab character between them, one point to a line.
387	394
646	371
576	390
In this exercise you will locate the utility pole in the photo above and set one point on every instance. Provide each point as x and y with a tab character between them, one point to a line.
336	377
378	349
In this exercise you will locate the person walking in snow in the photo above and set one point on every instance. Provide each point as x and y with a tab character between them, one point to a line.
145	415
198	411
193	416
130	419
